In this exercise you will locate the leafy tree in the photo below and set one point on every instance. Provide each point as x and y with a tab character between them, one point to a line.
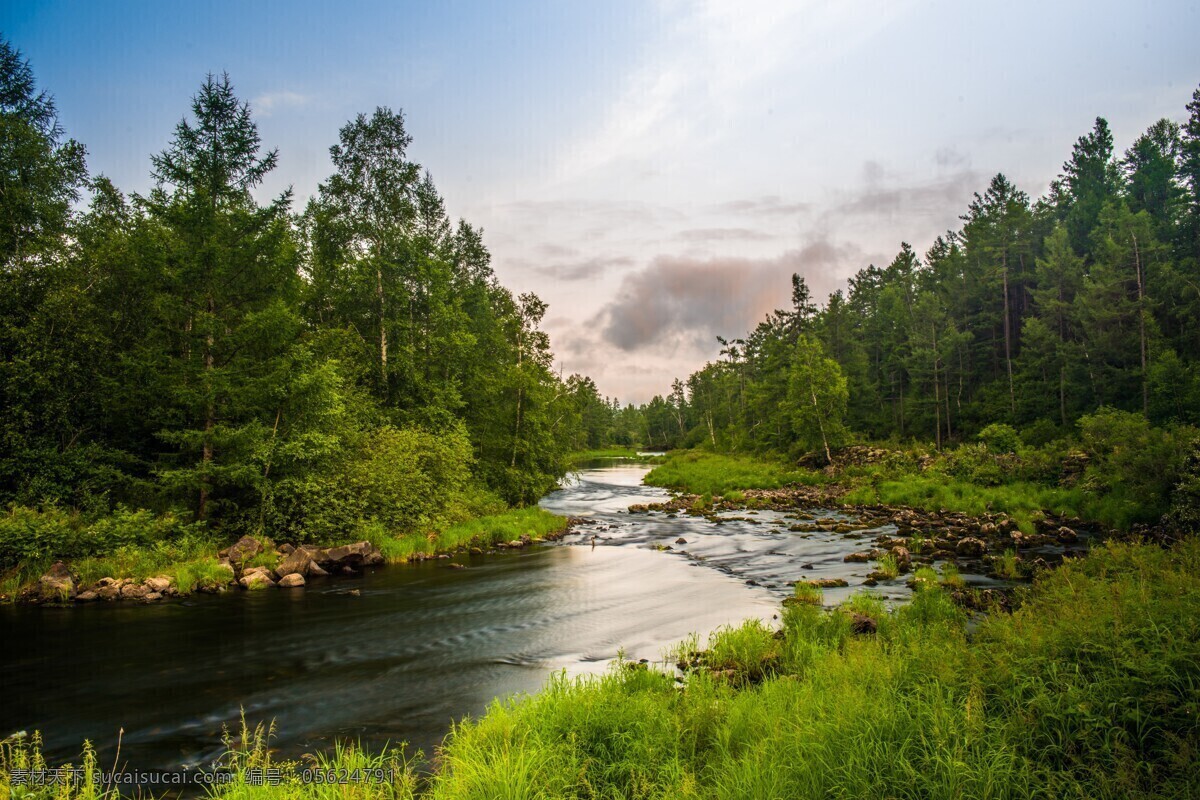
816	397
227	303
40	172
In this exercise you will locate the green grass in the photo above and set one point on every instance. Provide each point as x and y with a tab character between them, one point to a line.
699	472
482	531
887	566
951	577
603	452
898	483
1008	565
188	562
804	593
1021	501
1090	690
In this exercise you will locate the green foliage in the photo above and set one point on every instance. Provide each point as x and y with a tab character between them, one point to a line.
1040	703
1184	514
31	536
887	567
698	472
197	351
1000	438
1020	500
1008	565
1133	461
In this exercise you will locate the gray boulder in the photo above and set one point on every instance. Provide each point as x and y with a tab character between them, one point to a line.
244	549
57	584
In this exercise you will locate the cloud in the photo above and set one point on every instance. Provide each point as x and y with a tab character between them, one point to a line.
551	250
934	197
269	102
711	67
722	235
685	302
767	205
592	267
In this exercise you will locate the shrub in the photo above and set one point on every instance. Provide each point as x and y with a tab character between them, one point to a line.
1000	438
1132	459
28	535
405	479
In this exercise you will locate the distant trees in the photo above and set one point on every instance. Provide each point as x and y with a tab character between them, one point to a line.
308	374
1031	314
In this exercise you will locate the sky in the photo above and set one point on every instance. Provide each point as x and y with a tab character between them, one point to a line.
655	171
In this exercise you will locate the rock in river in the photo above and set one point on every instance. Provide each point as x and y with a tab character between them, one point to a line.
970	546
159	584
256	578
57	584
297	562
244	549
291	581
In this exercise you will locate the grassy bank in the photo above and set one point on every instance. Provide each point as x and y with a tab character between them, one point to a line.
1021	500
604	452
187	554
1091	689
699	472
483	532
967	480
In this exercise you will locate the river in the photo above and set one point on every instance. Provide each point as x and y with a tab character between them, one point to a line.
417	646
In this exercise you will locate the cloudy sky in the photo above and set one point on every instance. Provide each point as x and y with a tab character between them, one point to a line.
655	171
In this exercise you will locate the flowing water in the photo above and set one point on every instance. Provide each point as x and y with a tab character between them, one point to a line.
416	646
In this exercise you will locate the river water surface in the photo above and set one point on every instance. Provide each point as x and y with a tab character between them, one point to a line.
416	646
419	645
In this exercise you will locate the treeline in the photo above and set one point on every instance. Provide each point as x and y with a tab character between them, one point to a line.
1033	314
255	366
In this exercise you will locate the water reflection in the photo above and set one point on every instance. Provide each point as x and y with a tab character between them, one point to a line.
419	646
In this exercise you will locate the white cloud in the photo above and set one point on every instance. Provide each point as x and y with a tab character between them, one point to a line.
268	103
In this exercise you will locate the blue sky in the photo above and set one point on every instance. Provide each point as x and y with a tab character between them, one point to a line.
655	170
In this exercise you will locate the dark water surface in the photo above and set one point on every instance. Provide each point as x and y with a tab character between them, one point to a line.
422	645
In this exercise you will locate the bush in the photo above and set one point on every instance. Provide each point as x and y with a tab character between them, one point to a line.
403	479
1000	438
1040	433
1133	460
975	463
28	535
1184	515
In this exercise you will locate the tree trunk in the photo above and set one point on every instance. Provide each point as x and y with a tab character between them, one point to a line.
383	341
820	424
520	397
210	414
1012	397
937	388
1137	260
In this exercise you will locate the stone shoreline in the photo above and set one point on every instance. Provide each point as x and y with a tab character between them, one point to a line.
296	565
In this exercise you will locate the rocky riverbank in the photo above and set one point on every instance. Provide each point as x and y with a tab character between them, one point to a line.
899	540
248	564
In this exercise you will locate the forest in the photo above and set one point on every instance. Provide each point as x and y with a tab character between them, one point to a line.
1046	324
1033	313
232	365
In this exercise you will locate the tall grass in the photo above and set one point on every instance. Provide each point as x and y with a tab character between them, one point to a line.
507	526
702	473
1091	689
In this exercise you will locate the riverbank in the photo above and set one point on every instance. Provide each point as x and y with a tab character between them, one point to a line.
1088	689
1034	492
191	562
